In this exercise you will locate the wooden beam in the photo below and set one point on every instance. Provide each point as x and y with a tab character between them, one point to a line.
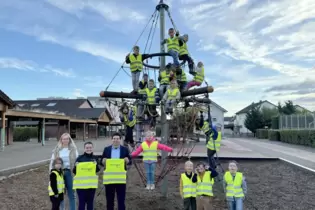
83	121
29	114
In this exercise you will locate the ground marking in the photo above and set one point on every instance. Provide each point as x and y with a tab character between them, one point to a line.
299	165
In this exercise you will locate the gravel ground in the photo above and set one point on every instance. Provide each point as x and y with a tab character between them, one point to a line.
273	185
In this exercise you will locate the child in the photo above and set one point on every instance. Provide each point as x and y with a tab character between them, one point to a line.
150	149
129	118
173	45
184	54
152	98
188	187
170	97
205	181
235	187
56	185
199	76
165	76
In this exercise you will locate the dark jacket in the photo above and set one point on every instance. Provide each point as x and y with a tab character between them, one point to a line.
53	182
143	84
86	158
124	153
144	56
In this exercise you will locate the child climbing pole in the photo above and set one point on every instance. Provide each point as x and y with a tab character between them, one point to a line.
150	148
184	53
129	118
235	187
171	97
152	98
199	75
165	76
173	45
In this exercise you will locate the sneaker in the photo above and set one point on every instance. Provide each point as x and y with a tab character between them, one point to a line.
148	187
152	186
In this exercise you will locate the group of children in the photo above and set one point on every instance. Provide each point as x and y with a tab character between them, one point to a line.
196	187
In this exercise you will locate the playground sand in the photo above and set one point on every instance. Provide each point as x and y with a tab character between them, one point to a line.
271	185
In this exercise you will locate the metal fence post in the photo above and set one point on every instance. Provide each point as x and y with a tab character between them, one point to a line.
305	119
286	121
298	121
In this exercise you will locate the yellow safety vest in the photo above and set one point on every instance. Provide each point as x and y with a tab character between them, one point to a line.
150	95
234	188
183	49
172	93
135	62
183	77
115	172
217	142
199	77
204	186
142	91
85	177
205	128
165	78
134	121
150	153
189	188
173	44
60	184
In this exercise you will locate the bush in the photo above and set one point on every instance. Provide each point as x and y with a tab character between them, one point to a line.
262	133
300	137
24	133
274	135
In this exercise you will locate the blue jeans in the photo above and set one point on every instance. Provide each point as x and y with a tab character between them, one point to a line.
236	204
70	192
174	55
150	171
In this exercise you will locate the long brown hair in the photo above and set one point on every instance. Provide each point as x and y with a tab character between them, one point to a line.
57	159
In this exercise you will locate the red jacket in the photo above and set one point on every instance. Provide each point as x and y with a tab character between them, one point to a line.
159	147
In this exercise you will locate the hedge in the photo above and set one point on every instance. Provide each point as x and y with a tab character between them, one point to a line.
304	137
24	133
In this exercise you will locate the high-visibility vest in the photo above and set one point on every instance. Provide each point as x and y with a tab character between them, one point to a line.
60	184
150	152
115	172
135	62
217	142
165	78
199	77
183	49
204	186
85	177
234	187
134	121
172	93
173	44
142	91
205	128
189	188
150	95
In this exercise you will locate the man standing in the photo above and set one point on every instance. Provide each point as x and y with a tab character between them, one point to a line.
115	158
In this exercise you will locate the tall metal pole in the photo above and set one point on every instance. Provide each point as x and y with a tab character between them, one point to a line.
161	7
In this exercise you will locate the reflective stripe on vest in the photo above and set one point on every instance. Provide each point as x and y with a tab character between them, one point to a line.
165	78
85	177
135	62
172	93
173	44
150	95
115	172
183	49
200	75
234	188
204	186
142	91
189	188
150	153
60	184
217	142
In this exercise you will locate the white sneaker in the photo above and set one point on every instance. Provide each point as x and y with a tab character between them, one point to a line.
148	187
152	186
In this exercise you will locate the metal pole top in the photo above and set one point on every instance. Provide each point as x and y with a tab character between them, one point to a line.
161	5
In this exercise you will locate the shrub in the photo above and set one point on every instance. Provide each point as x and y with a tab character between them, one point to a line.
262	133
274	135
301	137
275	122
24	133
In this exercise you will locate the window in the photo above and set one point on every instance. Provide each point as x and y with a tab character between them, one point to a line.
35	105
51	104
214	119
21	105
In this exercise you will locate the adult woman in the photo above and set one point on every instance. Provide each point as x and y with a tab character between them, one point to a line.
68	152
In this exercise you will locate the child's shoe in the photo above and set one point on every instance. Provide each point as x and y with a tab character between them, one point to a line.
148	187
152	186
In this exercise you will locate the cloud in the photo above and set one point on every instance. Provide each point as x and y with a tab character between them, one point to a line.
78	93
26	65
300	86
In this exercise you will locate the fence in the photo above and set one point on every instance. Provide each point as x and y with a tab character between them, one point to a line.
306	121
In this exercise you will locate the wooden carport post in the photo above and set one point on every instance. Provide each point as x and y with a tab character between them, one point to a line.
43	131
96	131
69	127
3	129
84	131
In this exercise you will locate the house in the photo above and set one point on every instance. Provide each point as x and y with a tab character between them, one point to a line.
241	115
228	120
301	109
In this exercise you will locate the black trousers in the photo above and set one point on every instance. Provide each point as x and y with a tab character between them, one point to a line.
187	58
129	135
190	203
211	161
55	202
115	189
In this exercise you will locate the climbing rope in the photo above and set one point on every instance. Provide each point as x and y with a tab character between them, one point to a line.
171	19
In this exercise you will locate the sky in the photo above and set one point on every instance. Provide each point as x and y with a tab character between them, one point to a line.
252	50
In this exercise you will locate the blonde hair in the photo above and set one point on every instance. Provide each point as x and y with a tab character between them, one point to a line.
71	142
189	163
